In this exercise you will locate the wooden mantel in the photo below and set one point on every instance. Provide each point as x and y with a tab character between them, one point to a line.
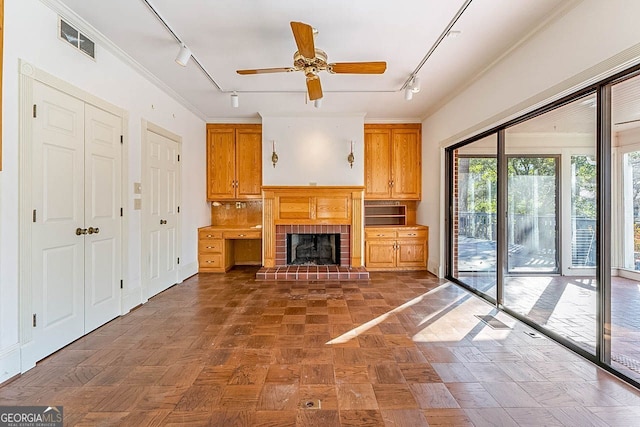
312	205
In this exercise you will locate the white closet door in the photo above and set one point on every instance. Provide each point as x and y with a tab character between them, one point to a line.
58	203
102	266
161	214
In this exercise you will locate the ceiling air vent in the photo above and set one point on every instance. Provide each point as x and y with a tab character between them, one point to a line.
76	39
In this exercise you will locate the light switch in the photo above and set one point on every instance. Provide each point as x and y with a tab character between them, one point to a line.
137	188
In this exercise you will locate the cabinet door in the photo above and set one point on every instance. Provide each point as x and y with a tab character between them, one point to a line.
406	171
380	253
377	163
248	163
220	164
412	253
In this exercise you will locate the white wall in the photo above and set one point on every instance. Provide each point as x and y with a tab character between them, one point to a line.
313	150
30	34
587	43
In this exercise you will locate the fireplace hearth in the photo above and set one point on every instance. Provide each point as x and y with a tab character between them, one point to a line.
313	249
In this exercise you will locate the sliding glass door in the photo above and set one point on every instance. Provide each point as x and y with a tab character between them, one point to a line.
544	220
475	216
532	233
625	241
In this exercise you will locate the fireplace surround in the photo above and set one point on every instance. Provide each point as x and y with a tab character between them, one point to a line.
310	210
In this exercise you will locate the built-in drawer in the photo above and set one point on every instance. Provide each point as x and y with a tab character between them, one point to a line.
379	234
242	234
208	234
422	234
210	260
209	245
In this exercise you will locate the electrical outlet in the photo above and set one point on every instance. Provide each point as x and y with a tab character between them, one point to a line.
137	204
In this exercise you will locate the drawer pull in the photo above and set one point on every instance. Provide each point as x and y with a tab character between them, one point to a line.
209	262
381	235
412	234
240	235
209	247
209	235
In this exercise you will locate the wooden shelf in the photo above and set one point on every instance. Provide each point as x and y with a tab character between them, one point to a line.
380	215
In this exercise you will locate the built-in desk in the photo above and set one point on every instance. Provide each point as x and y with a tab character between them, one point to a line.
222	247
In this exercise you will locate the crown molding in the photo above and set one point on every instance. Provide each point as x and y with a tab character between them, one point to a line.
101	40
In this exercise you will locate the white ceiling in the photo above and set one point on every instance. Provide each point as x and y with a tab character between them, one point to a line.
225	35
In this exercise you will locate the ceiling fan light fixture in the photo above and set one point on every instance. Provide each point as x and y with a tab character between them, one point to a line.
235	100
317	103
183	55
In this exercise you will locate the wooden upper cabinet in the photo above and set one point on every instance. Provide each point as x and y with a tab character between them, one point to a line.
220	163
406	164
393	162
377	163
234	161
248	163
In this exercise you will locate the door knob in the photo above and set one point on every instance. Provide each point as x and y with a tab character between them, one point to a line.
81	231
163	221
92	230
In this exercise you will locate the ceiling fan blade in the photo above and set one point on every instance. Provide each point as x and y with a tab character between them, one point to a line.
314	88
376	67
303	33
266	70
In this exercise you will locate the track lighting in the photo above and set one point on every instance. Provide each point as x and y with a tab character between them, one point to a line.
415	85
412	87
408	94
235	101
183	55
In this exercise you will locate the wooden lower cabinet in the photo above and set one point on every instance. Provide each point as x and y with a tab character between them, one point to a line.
396	248
219	249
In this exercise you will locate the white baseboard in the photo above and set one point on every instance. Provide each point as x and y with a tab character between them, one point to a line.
10	364
435	268
188	270
132	298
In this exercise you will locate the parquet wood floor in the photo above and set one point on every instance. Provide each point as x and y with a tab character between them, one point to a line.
403	349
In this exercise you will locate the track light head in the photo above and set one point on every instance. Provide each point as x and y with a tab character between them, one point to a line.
408	94
415	85
183	55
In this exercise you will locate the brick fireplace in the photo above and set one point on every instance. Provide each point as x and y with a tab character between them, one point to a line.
283	230
312	210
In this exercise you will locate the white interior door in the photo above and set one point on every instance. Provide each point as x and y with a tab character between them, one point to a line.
76	229
161	216
102	216
58	203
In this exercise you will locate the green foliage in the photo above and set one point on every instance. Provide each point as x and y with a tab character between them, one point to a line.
584	186
532	185
480	189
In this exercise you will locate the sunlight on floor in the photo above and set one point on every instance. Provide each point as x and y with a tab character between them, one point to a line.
353	333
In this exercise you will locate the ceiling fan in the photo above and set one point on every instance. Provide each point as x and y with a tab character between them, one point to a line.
312	60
